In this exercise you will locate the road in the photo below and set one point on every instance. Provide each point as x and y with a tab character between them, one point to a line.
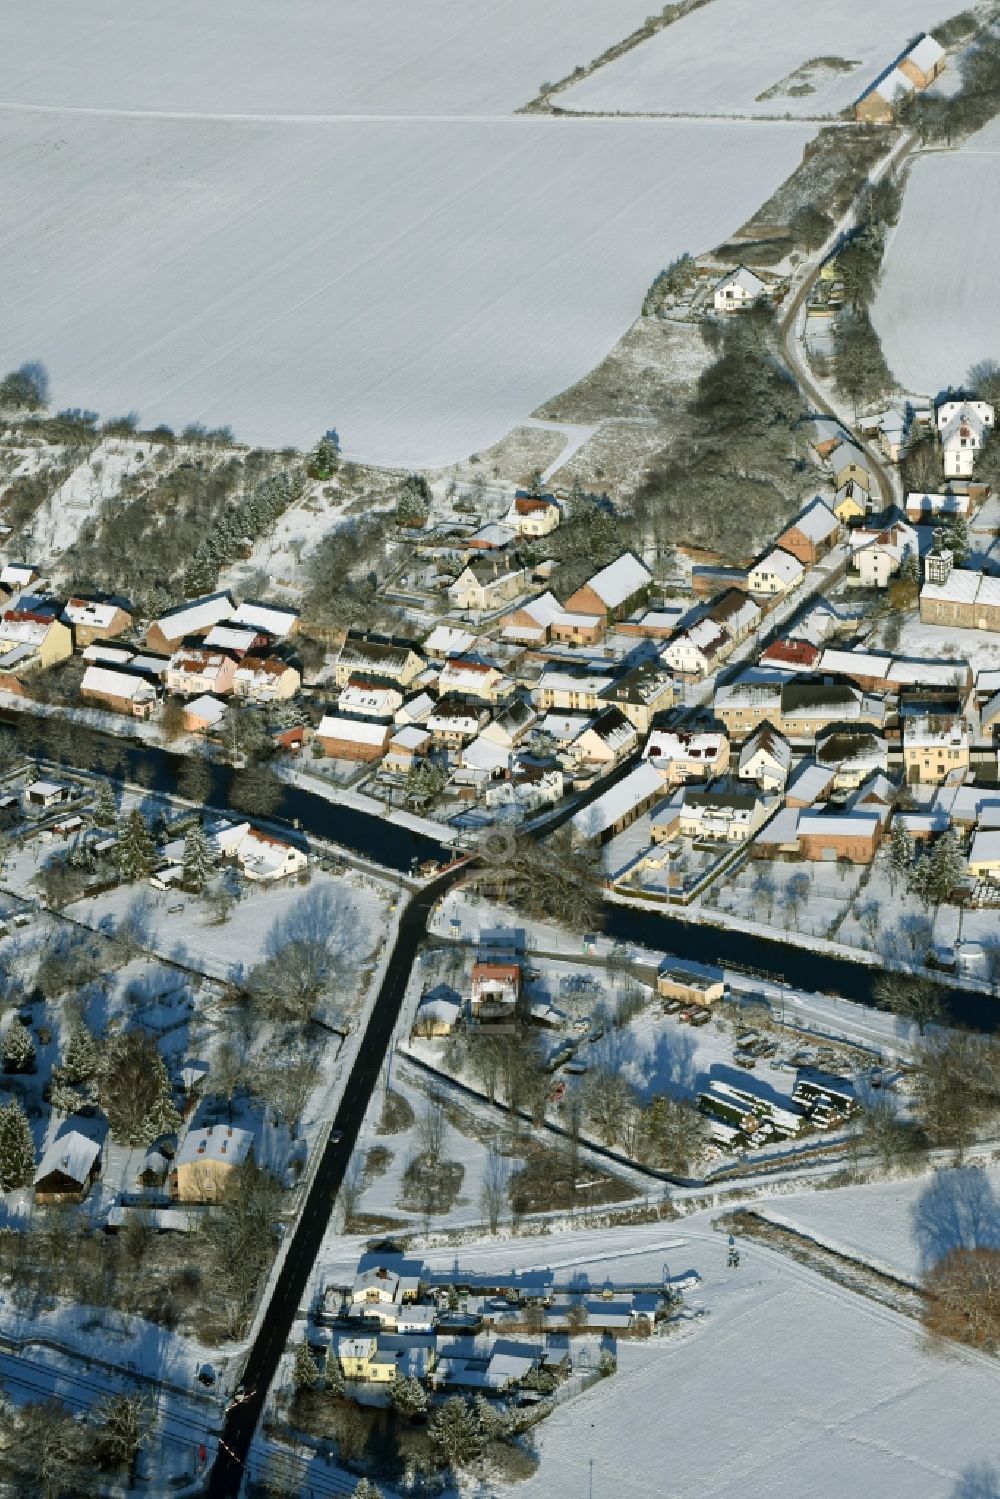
311	1225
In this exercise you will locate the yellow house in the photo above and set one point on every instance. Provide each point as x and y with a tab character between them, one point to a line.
356	1355
851	503
33	638
984	855
206	1161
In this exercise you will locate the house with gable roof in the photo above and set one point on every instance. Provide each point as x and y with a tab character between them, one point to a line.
737	291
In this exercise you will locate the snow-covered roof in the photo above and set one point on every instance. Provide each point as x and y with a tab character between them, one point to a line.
410	737
855	663
960	587
199	614
810	781
926	53
90	612
448	640
219	1142
670	744
226	638
274	618
563	727
848	824
71	1154
846	453
16	574
111	683
415	709
746	280
116	654
937	504
484	754
985	847
556	679
332	726
781	565
816	522
938	729
642	782
207	708
893	86
620	580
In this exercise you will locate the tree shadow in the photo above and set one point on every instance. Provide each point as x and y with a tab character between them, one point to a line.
980	1481
957	1210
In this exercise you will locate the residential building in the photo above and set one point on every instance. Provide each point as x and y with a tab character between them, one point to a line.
514	720
736	613
922	509
685	755
614	591
766	758
984	855
32	638
852	755
808	708
276	620
620	805
777	572
265	679
197	617
849	462
121	691
472	676
533	515
202	714
851	503
67	1169
193	671
570	688
811	534
958	596
853	836
721	812
791	655
380	658
487	585
370	697
263	858
641	693
878	555
737	291
206	1160
881	103
571	628
406	747
448	640
605	743
490	538
351	738
531	623
694	986
698	650
493	992
963	427
95	619
935	749
453	722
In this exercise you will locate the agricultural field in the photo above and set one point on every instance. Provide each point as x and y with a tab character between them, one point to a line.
713	62
406	306
929	312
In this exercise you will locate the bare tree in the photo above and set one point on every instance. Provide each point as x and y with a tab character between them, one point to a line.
493	1195
431	1130
910	995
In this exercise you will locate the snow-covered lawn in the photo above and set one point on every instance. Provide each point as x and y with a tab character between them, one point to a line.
714	62
933	321
57	523
901	1226
376	275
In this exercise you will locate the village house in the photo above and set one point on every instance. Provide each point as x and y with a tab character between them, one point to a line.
203	714
828	435
880	104
67	1170
851	503
197	617
472	676
984	854
777	572
853	755
614	591
641	693
32	638
486	585
765	758
406	747
848	462
878	555
378	658
721	813
698	650
265	679
924	61
448	640
935	748
923	509
958	596
416	709
619	806
206	1160
235	640
605	743
737	291
811	534
808	708
791	655
531	623
685	755
569	628
454	722
490	538
47	794
121	691
533	515
370	697
810	783
95	619
193	671
494	990
276	620
17	575
351	738
513	722
736	613
570	688
963	427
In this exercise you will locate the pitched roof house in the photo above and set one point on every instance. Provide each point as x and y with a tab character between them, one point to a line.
614	591
811	534
121	691
194	618
776	572
766	758
924	61
737	291
67	1169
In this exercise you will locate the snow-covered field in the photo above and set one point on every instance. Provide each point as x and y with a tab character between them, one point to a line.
901	1226
367	57
420	285
713	62
928	311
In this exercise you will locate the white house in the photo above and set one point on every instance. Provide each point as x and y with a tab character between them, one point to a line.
777	572
698	650
766	758
737	291
963	427
878	555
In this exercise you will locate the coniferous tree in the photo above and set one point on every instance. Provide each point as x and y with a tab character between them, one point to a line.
82	1056
18	1048
197	859
106	808
134	1090
136	851
305	1370
17	1150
